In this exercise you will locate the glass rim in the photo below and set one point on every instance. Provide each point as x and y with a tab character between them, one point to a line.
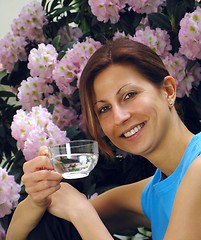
87	141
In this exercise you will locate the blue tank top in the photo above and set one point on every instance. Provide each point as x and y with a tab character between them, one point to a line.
159	194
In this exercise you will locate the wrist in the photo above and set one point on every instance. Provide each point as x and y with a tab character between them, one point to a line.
37	206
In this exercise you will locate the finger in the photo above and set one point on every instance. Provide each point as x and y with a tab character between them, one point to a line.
42	186
43	151
42	175
38	163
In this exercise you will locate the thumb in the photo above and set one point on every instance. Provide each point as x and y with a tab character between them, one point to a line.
43	151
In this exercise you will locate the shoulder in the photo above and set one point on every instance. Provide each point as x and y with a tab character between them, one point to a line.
186	215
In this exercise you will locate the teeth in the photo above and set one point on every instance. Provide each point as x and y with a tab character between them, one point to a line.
133	131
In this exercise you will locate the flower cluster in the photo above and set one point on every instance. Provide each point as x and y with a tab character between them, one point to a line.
106	10
30	22
9	195
12	50
189	34
71	65
68	33
42	61
27	27
46	71
35	129
176	65
157	39
145	6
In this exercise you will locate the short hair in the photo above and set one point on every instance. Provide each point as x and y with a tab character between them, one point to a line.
120	51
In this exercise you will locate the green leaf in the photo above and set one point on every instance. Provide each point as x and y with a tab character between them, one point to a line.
190	4
43	3
159	20
190	64
54	4
170	7
2	131
2	74
73	132
7	94
51	108
56	42
180	11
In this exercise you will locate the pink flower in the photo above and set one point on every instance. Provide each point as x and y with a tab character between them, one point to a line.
158	40
71	65
189	34
9	193
106	10
176	65
33	92
145	6
69	33
42	61
30	22
12	49
35	129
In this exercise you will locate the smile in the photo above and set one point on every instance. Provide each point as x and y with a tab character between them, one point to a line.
133	131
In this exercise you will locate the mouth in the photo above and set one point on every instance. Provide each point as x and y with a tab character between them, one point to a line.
133	130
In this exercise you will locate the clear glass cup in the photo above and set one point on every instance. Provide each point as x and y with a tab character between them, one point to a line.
75	159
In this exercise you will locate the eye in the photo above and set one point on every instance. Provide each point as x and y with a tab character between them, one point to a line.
103	109
130	95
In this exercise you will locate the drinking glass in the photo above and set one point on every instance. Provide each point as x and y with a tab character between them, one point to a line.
74	159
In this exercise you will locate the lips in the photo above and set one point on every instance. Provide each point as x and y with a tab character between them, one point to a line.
133	130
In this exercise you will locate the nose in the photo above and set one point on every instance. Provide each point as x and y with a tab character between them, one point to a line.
120	115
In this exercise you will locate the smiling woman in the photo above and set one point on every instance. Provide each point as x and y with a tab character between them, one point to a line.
120	55
126	93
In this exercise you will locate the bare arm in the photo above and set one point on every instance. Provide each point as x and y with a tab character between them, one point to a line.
185	222
120	208
71	205
115	207
40	182
25	218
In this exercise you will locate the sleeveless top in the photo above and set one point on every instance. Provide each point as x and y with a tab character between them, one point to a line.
158	196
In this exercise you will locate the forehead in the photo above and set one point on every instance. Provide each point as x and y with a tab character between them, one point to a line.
117	75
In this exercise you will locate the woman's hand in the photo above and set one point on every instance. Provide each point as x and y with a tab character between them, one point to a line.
40	179
67	202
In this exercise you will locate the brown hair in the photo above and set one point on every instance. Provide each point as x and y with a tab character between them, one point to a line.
146	61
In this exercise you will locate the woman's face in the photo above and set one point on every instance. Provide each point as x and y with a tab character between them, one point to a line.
132	112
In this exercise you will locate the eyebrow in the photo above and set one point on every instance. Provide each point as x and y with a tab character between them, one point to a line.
102	101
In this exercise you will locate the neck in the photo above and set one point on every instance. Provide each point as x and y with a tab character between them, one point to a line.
170	152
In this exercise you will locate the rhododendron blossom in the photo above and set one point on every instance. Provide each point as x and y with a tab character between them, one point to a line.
106	10
62	116
9	193
12	49
158	40
33	92
145	6
42	61
68	33
35	129
30	22
189	34
71	65
176	65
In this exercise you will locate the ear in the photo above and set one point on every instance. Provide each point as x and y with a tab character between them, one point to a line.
169	87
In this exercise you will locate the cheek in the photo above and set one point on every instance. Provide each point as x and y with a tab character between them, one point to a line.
106	126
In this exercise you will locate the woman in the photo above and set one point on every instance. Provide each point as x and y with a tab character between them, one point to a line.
126	93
